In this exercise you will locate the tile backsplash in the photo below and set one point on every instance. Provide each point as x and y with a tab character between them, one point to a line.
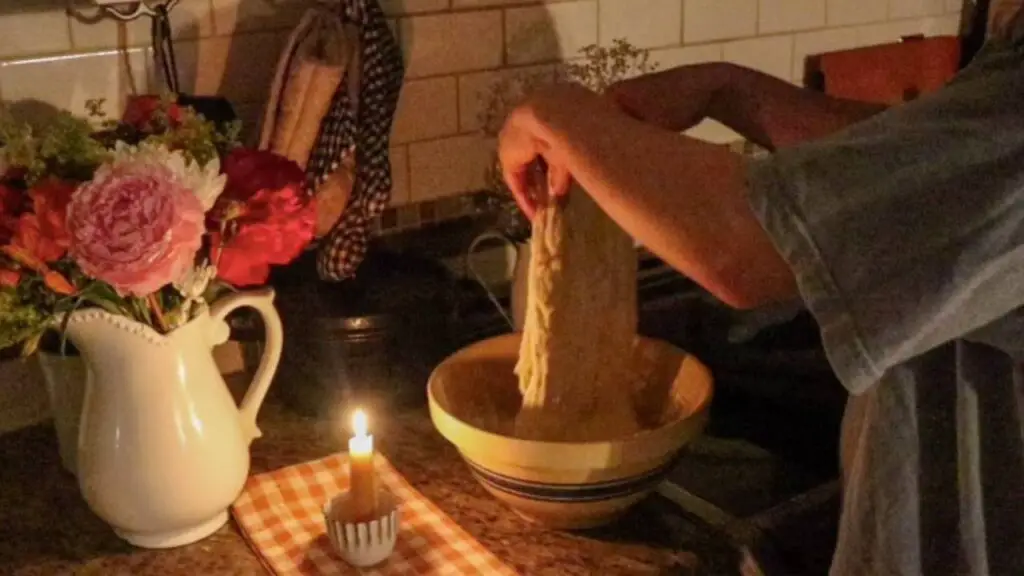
454	50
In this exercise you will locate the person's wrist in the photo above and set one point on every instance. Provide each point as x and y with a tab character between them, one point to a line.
563	107
624	95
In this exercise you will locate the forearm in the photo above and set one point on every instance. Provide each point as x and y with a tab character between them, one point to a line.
775	114
761	108
683	199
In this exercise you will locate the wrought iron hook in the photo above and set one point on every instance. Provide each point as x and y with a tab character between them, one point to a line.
117	9
160	31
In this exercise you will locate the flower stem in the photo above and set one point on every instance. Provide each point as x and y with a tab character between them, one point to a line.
154	305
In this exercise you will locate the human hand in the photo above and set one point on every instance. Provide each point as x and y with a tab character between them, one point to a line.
534	146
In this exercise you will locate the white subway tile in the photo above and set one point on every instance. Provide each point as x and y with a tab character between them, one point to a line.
549	32
948	25
714	132
191	19
446	43
913	8
790	15
34	32
231	16
460	4
644	23
401	7
814	43
439	168
223	65
887	32
847	12
673	57
476	89
705	20
427	108
399	175
104	33
68	82
772	55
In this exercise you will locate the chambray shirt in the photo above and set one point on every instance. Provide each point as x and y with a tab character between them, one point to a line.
906	236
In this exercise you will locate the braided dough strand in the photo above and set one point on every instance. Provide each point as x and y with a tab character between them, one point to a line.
581	321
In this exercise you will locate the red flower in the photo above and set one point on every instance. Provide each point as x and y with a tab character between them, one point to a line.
267	217
13	174
9	278
43	232
238	260
58	283
53	280
250	171
12	203
31	238
140	112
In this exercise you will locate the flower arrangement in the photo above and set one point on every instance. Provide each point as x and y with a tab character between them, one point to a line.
151	216
598	68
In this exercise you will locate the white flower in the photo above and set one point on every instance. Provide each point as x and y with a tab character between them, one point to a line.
206	182
195	282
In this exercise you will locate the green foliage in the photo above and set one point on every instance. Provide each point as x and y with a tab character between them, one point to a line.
199	138
63	147
19	320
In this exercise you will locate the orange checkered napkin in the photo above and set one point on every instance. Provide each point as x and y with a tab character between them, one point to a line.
281	515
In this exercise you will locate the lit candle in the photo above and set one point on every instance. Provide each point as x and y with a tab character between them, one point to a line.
362	476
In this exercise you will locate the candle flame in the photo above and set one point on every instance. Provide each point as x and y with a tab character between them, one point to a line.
359	425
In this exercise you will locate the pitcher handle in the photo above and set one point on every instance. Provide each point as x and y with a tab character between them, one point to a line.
471	251
263	302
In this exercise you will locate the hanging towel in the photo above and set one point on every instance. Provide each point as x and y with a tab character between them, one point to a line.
308	74
358	124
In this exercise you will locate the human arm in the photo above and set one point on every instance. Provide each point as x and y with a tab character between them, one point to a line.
761	108
683	199
903	232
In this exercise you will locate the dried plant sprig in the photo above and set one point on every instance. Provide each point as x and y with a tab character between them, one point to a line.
603	66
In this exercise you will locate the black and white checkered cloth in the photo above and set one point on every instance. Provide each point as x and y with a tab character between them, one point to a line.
366	128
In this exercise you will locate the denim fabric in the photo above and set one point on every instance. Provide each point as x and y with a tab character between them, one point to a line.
906	236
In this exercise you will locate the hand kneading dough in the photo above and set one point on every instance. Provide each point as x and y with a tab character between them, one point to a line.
581	321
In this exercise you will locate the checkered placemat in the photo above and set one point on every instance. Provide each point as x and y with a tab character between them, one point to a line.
281	515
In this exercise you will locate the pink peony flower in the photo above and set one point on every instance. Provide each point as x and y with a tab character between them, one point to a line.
135	226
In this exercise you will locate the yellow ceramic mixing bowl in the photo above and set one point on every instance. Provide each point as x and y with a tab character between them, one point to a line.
474	397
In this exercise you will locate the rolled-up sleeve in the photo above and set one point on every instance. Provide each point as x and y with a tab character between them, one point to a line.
907	230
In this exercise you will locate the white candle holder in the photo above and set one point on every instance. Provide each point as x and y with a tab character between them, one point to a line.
362	544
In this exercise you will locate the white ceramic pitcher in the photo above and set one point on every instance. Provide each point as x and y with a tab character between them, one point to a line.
163	449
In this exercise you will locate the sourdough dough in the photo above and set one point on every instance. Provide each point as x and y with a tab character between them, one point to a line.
581	320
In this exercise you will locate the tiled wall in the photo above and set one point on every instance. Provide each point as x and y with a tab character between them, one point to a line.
454	49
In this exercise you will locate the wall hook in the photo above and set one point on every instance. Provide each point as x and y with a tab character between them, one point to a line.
125	11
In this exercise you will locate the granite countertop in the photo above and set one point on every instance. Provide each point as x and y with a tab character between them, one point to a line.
46	528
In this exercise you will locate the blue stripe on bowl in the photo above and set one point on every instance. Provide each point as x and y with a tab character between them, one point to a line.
570	493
